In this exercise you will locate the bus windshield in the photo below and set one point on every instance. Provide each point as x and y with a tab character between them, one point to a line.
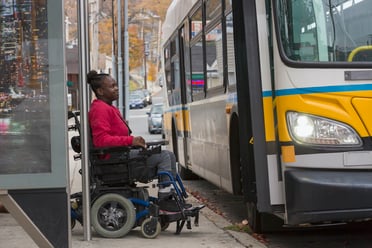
325	30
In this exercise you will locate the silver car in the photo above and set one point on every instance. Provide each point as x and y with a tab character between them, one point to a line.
155	118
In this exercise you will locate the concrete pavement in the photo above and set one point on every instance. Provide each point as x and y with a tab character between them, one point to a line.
209	234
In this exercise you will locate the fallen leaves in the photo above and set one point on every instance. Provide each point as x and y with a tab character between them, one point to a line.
243	226
206	202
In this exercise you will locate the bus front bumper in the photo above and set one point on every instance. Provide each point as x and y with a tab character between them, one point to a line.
318	196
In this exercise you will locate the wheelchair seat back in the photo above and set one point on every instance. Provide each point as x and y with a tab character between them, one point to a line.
112	166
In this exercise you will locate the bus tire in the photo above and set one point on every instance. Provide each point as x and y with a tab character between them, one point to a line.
262	222
235	166
253	217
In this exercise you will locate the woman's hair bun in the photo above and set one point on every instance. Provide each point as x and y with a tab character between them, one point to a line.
91	75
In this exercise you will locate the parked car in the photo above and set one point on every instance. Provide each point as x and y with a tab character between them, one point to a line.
147	96
155	118
142	95
136	101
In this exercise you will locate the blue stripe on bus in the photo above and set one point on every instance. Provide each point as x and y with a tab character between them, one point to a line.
321	89
177	108
286	92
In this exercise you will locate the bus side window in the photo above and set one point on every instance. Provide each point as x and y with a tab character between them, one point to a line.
214	57
197	71
168	75
175	71
230	50
186	61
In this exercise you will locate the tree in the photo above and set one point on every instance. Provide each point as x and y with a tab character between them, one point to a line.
158	7
105	36
152	72
135	48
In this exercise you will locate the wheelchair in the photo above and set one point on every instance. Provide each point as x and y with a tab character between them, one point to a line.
118	202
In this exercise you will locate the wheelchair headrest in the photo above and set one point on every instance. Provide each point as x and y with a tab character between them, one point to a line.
75	144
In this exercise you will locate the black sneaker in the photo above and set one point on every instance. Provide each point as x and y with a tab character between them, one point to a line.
168	206
172	206
187	205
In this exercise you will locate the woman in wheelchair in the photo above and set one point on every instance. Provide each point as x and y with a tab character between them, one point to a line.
108	128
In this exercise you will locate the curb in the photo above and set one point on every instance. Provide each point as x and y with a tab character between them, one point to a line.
243	238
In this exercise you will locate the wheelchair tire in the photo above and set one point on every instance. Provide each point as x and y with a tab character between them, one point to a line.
112	215
149	229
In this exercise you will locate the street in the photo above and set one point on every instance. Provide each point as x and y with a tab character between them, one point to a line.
354	235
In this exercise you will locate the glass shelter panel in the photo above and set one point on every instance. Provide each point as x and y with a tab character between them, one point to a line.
32	92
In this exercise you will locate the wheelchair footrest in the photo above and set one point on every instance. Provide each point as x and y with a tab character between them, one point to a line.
184	217
193	210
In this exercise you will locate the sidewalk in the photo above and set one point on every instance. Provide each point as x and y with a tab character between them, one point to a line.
209	233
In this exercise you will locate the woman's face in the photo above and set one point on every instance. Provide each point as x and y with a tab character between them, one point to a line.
109	90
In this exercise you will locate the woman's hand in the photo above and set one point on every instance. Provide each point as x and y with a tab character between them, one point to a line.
139	141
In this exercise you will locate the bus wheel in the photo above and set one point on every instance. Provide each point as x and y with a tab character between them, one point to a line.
253	217
262	222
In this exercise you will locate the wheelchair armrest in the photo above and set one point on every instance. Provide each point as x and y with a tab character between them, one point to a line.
157	143
108	150
102	156
153	147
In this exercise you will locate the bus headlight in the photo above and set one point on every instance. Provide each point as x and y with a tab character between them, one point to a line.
317	131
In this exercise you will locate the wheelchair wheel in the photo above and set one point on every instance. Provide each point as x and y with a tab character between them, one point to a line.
113	215
150	228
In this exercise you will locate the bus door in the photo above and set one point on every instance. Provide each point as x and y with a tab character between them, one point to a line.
174	117
181	115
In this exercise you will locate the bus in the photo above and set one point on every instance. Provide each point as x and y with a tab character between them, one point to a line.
272	100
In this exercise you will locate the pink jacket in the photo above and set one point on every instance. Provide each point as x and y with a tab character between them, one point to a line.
107	125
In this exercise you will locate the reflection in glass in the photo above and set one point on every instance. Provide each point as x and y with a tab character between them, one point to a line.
197	71
186	59
213	9
24	88
196	23
214	55
230	50
228	4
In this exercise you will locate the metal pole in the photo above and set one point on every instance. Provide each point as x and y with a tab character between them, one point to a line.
114	71
126	60
83	69
145	53
145	69
120	62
